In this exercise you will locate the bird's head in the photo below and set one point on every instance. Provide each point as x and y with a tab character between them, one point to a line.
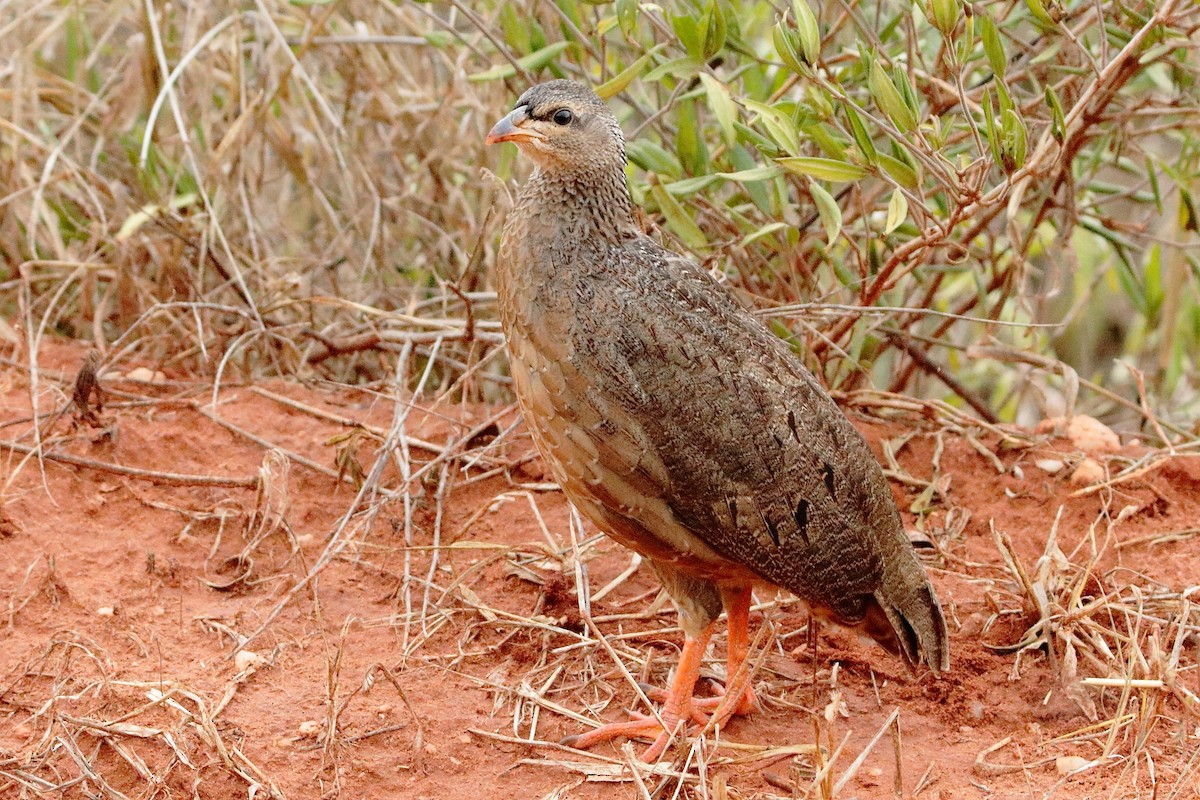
564	127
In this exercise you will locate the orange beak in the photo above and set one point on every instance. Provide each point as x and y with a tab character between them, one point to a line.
509	129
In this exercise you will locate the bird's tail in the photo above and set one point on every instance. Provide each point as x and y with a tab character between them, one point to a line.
906	618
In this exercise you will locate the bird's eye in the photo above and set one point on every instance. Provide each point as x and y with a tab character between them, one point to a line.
563	116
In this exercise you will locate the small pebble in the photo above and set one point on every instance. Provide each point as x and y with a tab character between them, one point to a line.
247	659
146	375
1068	764
310	727
1087	433
1087	473
1050	465
106	611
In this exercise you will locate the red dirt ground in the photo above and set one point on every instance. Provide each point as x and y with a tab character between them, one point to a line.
115	591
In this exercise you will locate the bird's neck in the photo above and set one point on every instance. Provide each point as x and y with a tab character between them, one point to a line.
582	204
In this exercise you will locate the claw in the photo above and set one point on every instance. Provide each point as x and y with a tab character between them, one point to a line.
680	708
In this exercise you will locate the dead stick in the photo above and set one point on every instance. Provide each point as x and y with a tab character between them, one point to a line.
320	413
261	442
938	371
162	478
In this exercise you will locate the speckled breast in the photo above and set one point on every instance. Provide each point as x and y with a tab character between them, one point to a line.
594	448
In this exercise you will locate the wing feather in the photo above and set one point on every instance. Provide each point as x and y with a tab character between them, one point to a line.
753	456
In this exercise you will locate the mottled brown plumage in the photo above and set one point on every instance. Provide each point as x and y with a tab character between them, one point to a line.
678	424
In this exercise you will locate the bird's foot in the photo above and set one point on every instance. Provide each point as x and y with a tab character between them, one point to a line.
722	706
698	711
646	726
679	707
719	704
641	726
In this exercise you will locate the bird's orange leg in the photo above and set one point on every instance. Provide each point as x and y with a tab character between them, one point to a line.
737	609
678	707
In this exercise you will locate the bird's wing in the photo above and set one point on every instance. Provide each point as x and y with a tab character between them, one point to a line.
757	460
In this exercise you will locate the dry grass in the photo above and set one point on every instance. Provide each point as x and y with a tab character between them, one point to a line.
277	201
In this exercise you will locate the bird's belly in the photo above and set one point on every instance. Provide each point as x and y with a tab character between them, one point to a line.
601	461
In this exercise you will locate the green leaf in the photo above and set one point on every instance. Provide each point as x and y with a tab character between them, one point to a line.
825	169
627	14
516	30
571	12
759	183
722	105
534	61
1153	280
690	33
859	132
1013	140
787	46
618	83
889	99
900	172
1058	124
1152	174
944	15
689	186
992	46
715	31
965	44
683	68
677	218
989	127
653	158
1131	287
754	138
1003	98
755	174
765	230
1155	53
810	34
934	133
908	92
1040	14
830	145
689	144
1189	217
828	210
779	125
897	211
1047	54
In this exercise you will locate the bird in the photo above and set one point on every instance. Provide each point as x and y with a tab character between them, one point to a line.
680	426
